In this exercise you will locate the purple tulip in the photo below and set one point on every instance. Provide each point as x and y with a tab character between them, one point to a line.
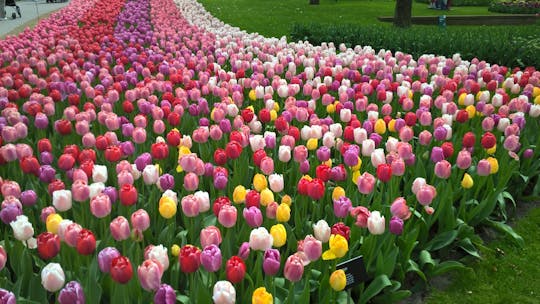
271	262
211	258
72	293
165	294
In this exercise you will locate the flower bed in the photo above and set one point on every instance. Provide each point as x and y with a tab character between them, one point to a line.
150	152
515	7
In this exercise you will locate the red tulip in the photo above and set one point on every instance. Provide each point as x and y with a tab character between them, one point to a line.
258	156
233	149
468	140
87	154
173	138
448	149
73	150
410	119
88	167
48	245
294	132
174	119
121	269
323	172
220	157
253	199
66	162
63	126
247	115
281	124
86	242
56	185
101	143
44	144
236	136
189	258
113	154
316	189
303	186
341	229
462	116
264	115
384	172
128	195
488	140
235	269
159	150
30	165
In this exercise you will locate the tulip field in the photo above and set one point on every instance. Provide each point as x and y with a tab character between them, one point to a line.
150	153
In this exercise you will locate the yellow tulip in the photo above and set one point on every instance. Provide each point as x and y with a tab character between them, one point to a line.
338	247
494	165
167	207
467	181
239	194
179	169
279	234
286	199
537	100
52	222
260	182
273	115
183	150
252	95
267	196
261	296
307	177
392	125
536	92
380	126
312	144
330	109
338	280
175	250
328	162
461	99
338	192
471	110
276	107
355	176
492	150
283	213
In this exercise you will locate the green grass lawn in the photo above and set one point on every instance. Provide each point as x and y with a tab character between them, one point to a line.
275	17
506	274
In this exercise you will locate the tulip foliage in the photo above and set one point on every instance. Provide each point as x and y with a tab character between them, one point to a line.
151	153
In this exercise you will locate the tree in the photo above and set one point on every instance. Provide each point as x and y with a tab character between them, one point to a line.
402	14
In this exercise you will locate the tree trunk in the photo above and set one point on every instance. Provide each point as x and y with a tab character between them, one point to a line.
313	1
402	14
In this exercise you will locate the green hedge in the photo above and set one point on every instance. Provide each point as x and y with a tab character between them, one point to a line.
515	7
462	2
510	46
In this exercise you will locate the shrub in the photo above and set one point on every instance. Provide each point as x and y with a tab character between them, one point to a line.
463	2
509	46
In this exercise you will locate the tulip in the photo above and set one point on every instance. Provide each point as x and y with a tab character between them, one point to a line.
396	225
426	194
140	220
22	228
149	274
86	242
121	269
276	182
62	200
400	209
224	293
48	245
376	223
284	154
227	216
338	247
72	234
190	206
235	269
279	234
99	174
294	268
366	183
260	239
157	253
467	181
341	229
494	165
3	258
167	207
119	228
52	277
342	206
239	194
105	257
211	258
210	235
253	216
189	258
322	231
165	294
150	174
338	280
283	213
271	262
128	195
100	205
312	247
261	296
72	293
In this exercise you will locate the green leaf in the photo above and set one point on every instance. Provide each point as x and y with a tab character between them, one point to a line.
425	259
502	227
36	291
183	299
374	288
446	266
442	240
468	246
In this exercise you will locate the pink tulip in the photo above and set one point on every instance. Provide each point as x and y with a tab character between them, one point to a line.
210	235
119	228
